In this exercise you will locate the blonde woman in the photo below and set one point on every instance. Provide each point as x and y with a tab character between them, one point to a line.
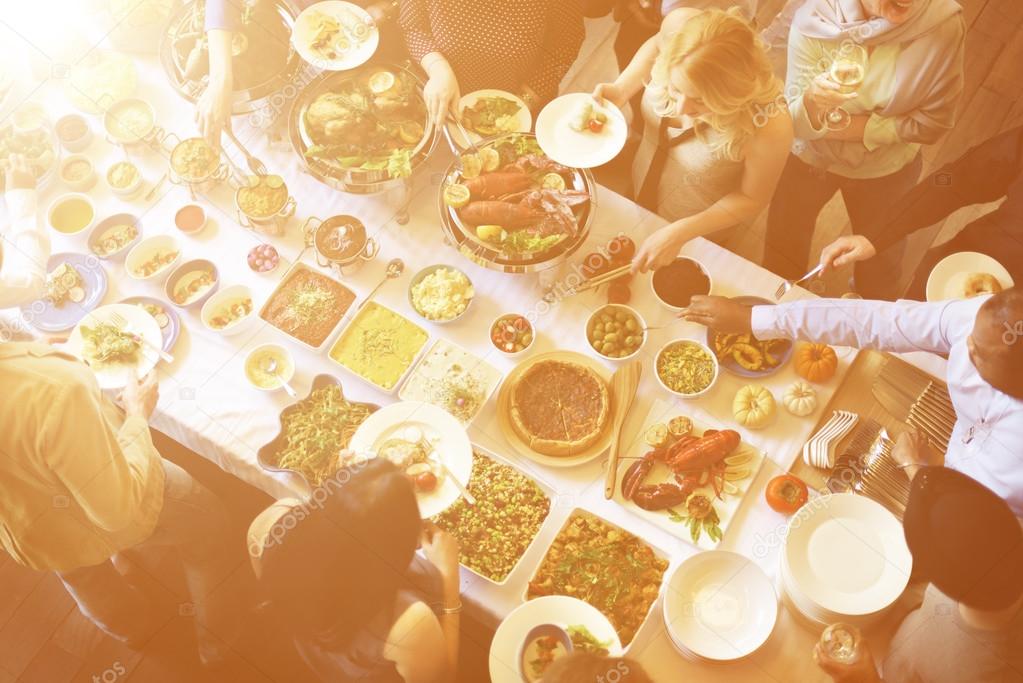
716	131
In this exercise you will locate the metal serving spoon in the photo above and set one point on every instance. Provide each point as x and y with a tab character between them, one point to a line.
395	267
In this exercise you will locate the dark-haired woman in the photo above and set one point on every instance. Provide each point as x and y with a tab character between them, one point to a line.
345	578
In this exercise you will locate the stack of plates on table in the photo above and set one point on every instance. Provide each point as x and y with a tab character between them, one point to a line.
845	559
719	606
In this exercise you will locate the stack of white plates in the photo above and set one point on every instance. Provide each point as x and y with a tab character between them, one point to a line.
719	606
845	559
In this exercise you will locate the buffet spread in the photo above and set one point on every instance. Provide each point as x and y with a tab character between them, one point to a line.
278	345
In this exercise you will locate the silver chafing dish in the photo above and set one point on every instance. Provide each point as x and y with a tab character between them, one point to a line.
183	153
490	255
306	133
266	65
340	243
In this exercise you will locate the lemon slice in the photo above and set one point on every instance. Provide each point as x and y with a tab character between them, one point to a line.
553	181
489	159
471	166
657	435
381	82
274	181
491	233
456	196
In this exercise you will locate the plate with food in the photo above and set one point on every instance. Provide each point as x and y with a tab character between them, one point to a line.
491	112
75	284
686	368
538	632
117	341
425	442
334	35
685	477
165	316
451	378
307	305
578	131
314	431
496	533
513	200
379	345
744	354
555	408
966	274
611	569
37	145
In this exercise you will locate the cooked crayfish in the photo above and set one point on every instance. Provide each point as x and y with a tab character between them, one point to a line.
693	461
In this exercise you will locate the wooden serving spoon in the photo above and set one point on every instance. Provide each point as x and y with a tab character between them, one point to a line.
624	384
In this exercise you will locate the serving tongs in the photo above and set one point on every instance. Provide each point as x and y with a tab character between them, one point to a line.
592	283
456	149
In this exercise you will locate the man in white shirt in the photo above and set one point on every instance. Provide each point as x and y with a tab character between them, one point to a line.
24	244
981	337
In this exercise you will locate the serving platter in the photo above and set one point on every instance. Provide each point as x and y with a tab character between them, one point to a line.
304	34
584	149
731	365
950	273
299	267
523	448
438	427
673	520
560	610
522	120
429	376
46	317
139	323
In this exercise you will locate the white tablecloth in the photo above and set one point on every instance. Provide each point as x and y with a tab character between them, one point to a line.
207	405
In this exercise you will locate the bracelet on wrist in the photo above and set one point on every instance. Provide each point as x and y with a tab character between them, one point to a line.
452	610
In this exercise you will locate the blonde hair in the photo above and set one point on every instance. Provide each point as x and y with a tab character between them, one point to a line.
726	63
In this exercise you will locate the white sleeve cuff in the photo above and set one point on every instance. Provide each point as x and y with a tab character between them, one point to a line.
764	322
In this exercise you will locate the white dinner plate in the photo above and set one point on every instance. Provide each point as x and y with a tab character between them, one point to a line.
948	275
577	149
720	606
522	121
347	14
438	426
559	610
847	554
140	323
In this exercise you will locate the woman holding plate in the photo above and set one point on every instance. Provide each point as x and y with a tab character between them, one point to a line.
715	139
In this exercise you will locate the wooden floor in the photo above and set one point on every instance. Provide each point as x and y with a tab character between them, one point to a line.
43	638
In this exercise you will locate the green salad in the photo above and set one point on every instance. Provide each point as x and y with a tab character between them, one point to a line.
491	115
105	344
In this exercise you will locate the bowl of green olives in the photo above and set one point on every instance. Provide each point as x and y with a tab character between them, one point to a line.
616	332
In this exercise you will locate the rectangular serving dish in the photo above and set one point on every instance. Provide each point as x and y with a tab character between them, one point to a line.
297	267
408	391
578	511
352	324
547	489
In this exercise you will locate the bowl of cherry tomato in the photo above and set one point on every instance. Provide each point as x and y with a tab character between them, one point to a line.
512	334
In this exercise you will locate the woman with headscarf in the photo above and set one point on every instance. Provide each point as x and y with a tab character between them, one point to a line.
912	83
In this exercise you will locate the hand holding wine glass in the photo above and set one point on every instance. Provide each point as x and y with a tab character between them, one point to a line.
847	72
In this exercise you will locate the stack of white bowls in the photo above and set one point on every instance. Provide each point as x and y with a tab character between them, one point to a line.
719	607
845	559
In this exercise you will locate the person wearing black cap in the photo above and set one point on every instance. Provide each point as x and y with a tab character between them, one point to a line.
966	542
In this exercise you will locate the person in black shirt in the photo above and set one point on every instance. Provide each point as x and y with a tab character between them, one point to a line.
988	172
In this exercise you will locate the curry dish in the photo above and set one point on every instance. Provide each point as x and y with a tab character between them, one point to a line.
308	306
379	345
193	159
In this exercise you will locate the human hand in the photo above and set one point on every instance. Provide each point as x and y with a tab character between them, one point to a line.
845	250
912	450
213	110
719	313
659	249
20	175
139	397
824	94
441	549
612	92
441	92
863	670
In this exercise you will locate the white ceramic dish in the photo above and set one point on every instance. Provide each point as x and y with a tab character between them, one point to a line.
586	149
286	369
520	122
445	432
219	301
139	323
703	269
512	354
86	182
67	197
147	249
720	606
347	14
613	308
422	275
713	358
109	222
949	274
560	610
443	359
185	275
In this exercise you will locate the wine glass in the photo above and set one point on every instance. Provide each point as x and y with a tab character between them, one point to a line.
847	70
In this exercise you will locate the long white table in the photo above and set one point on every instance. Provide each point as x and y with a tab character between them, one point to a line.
207	405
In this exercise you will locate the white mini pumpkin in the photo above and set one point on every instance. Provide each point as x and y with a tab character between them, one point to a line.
800	399
754	407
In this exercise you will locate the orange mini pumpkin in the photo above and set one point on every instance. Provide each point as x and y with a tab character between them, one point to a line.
816	362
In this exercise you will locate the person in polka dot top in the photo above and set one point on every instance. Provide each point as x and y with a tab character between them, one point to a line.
522	46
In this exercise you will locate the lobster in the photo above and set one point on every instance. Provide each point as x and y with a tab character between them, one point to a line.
688	458
505	214
494	185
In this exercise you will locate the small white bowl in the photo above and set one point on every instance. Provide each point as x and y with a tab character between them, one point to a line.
130	190
62	199
192	231
429	270
285	364
222	299
710	282
76	144
145	250
511	354
109	222
86	182
710	354
183	271
614	308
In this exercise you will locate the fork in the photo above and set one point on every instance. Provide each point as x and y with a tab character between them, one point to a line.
255	165
785	286
118	320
